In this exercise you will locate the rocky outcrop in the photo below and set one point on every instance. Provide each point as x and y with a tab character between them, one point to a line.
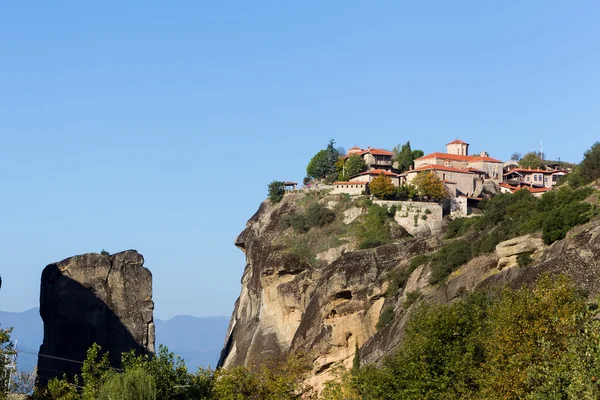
286	304
94	298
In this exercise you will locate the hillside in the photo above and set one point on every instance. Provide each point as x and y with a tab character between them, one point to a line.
351	276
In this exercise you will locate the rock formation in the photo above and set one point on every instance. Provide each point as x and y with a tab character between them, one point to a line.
286	304
94	298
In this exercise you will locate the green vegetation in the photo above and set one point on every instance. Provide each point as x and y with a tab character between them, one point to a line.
6	351
276	191
386	317
589	169
405	156
534	343
531	160
316	215
323	164
163	376
382	187
429	186
524	259
374	230
353	166
411	298
510	215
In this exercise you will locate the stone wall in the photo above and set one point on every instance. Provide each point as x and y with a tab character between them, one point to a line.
418	218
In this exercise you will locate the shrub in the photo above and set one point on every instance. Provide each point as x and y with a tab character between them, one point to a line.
276	191
406	192
411	297
386	317
524	259
590	166
135	384
374	229
392	210
316	215
448	258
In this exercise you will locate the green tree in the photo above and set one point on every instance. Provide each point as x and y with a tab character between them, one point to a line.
276	191
405	156
590	166
515	156
382	187
171	376
531	160
275	379
322	164
355	165
134	384
95	368
356	359
430	186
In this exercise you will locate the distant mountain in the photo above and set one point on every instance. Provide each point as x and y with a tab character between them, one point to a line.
28	331
198	340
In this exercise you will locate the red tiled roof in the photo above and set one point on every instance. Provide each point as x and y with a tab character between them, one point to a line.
537	190
539	171
457	157
378	172
457	142
375	152
350	183
445	181
430	167
477	170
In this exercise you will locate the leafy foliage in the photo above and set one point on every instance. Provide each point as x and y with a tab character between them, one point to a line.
405	156
382	187
315	215
355	165
277	379
134	384
510	215
276	191
430	186
323	163
590	166
386	317
6	350
531	160
374	229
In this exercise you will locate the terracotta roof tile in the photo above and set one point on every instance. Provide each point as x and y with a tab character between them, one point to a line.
457	157
434	167
457	142
350	183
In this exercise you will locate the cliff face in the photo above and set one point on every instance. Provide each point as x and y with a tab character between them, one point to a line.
94	298
288	304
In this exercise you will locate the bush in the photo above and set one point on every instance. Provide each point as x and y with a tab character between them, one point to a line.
386	317
135	384
276	191
374	229
430	186
524	259
411	297
448	258
316	215
590	166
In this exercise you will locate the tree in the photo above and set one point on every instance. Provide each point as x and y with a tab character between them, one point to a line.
6	351
382	187
323	163
95	369
590	166
515	156
531	160
430	186
275	379
355	165
356	359
134	384
405	156
276	191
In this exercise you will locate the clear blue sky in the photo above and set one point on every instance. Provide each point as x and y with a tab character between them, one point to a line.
157	125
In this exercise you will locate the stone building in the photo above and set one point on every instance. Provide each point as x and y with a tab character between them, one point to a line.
457	181
374	158
368	176
457	156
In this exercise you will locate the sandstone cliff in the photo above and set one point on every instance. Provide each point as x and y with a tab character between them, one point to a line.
94	298
288	303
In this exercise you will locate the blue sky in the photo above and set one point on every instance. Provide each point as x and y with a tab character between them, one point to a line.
158	125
